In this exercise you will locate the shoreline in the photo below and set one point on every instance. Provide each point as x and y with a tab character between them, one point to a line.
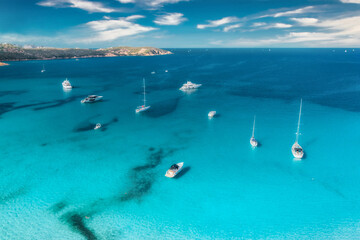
66	58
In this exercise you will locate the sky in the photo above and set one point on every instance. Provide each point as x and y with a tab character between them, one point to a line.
181	23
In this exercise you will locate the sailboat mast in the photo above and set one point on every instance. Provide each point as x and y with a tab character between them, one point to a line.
144	92
253	132
298	127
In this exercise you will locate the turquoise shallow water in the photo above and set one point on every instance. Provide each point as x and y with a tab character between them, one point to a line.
61	180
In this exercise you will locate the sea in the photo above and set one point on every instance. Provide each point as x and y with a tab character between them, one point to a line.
61	179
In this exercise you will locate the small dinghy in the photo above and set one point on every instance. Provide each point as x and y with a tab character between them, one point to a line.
211	114
174	170
97	126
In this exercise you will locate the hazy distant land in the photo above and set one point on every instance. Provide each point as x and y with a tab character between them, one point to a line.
11	52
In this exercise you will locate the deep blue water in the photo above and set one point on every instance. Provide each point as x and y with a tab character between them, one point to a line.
60	179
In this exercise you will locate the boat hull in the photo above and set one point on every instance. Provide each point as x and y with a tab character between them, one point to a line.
142	109
253	142
211	114
297	151
172	173
99	98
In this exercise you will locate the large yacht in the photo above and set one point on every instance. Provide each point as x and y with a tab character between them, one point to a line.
91	99
66	84
189	86
296	149
253	141
174	170
143	107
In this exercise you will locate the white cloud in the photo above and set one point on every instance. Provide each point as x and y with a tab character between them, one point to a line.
216	23
340	32
274	25
232	27
156	3
350	1
126	1
111	29
305	21
258	24
291	12
280	25
152	4
170	19
81	4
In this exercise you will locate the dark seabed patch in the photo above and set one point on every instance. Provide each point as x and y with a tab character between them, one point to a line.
105	126
253	91
57	103
87	125
5	197
5	93
57	207
349	101
77	224
10	106
163	108
142	177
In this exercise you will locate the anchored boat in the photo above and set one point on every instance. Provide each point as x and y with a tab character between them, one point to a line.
143	107
253	141
174	170
296	149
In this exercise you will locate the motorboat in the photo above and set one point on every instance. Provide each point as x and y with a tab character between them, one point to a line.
91	99
189	86
174	170
143	107
253	141
97	126
66	84
211	114
296	149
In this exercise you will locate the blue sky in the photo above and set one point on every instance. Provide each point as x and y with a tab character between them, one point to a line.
181	23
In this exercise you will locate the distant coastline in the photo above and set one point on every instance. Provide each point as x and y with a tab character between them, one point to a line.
3	64
11	52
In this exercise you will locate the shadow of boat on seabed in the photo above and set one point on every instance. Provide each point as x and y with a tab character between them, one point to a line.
182	172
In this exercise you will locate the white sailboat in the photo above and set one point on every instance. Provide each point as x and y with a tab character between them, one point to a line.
253	141
296	149
143	107
43	69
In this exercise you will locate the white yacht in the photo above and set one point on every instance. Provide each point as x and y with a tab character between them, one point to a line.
166	71
66	84
91	99
43	69
174	170
97	126
189	86
296	149
211	114
143	107
253	141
